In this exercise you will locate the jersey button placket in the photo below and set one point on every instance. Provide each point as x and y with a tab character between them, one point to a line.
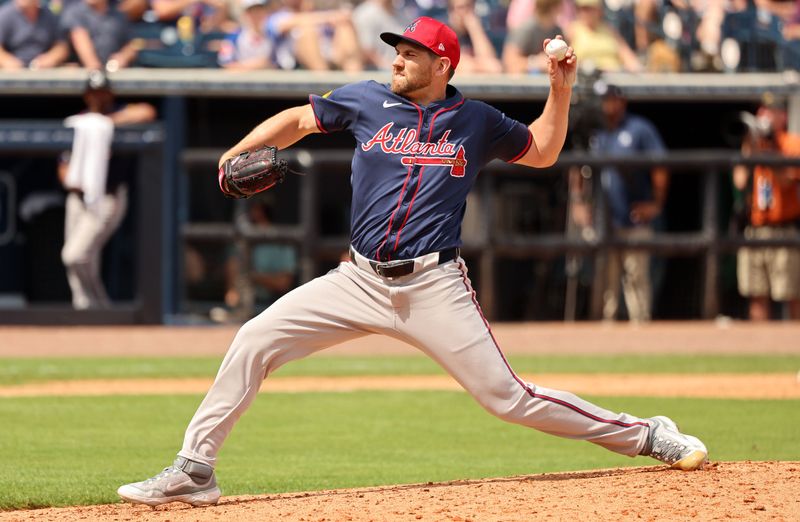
402	209
424	129
415	171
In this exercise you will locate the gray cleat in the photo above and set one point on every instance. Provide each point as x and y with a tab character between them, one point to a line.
185	481
672	447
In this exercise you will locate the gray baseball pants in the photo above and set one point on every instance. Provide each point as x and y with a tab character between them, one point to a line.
434	310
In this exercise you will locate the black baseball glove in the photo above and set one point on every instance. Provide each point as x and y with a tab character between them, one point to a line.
251	172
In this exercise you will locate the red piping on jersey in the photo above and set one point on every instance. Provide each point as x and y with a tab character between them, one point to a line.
525	150
522	383
319	123
402	193
408	212
419	180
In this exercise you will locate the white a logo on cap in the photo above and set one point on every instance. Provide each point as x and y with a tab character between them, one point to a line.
441	47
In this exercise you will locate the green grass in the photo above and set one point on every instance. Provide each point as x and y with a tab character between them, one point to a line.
20	370
78	450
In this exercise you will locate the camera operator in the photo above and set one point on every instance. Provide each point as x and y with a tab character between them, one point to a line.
765	273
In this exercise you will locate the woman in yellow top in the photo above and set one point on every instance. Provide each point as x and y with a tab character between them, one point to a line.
597	42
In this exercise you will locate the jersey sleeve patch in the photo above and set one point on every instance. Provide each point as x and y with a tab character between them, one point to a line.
338	109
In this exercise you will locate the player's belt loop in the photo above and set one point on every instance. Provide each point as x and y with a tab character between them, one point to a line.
403	267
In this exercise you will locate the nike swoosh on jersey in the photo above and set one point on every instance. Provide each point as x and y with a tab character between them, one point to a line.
386	104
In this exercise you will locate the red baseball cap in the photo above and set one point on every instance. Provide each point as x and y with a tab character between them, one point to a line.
430	34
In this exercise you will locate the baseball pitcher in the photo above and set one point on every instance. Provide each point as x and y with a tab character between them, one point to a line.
419	147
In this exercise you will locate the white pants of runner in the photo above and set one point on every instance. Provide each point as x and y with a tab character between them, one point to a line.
435	311
86	231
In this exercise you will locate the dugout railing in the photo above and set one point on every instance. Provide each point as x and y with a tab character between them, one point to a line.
491	242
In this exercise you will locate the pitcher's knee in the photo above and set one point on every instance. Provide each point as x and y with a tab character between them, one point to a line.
250	337
506	403
256	341
504	411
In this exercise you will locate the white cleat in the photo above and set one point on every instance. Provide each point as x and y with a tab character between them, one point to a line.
185	481
672	447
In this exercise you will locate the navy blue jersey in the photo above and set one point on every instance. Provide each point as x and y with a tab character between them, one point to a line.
414	166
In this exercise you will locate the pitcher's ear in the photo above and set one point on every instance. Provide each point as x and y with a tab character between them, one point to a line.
445	66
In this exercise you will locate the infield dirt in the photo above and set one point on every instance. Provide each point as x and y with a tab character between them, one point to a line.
723	491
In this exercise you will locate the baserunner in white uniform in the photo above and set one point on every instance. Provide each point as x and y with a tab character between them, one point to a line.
420	146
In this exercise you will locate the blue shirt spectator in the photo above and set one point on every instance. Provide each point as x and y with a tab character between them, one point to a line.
29	36
271	271
100	35
248	48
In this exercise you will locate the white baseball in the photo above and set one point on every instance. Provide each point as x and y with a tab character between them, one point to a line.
557	48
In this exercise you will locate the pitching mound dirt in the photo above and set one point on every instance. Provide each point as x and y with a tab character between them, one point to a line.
724	490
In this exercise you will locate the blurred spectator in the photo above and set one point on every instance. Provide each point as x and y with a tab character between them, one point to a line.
597	43
519	11
371	18
477	52
752	37
97	187
774	209
133	9
710	15
523	50
100	35
270	272
248	48
192	16
783	9
791	27
647	17
29	37
433	8
635	201
649	38
314	40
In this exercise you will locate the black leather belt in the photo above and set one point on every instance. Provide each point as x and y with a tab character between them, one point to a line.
403	267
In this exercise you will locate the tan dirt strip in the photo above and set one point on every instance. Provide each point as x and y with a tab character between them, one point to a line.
728	386
710	337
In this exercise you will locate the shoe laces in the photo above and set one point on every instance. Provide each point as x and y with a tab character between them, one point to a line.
668	449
